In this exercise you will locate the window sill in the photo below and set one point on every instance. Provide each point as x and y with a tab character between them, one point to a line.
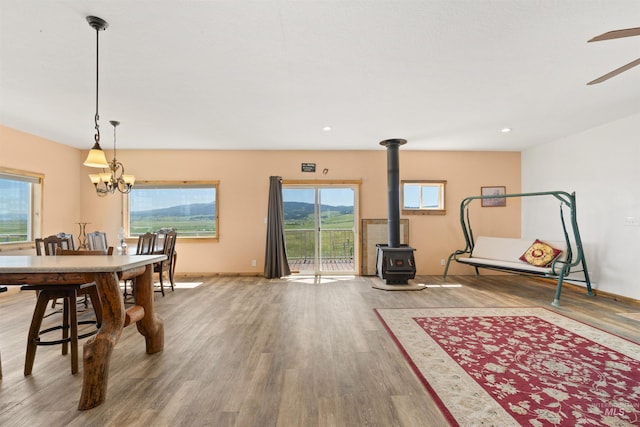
20	246
424	212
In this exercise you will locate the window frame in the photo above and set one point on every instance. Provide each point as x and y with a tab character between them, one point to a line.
34	222
174	184
440	210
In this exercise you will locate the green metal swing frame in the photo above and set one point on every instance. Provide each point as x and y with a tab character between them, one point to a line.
559	269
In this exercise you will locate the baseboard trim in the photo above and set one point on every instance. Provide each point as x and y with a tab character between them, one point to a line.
223	274
597	292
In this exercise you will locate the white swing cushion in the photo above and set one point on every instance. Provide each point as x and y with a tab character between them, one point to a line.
506	252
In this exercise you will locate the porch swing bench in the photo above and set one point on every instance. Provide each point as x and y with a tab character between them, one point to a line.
519	255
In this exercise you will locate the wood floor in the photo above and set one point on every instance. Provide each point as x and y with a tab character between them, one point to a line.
243	351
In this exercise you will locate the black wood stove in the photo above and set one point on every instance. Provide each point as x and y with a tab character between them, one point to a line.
395	263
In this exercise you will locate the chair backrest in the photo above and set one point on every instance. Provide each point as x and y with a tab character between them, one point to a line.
169	250
161	236
49	245
146	244
69	236
108	251
97	240
170	244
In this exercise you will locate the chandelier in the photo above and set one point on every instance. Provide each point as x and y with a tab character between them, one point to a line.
105	182
109	182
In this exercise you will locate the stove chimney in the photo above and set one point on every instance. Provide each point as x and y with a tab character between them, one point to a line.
393	190
394	262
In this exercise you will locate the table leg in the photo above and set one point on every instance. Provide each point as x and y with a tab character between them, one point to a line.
97	350
151	326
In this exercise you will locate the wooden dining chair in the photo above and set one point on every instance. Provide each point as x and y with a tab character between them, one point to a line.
161	234
48	245
69	237
168	249
69	326
146	246
97	240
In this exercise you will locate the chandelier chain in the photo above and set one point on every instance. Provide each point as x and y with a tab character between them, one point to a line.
114	179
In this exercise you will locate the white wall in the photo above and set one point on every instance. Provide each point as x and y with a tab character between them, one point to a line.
602	166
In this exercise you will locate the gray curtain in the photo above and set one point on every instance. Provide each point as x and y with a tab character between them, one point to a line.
275	260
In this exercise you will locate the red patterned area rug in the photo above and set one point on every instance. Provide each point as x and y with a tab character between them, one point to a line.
524	366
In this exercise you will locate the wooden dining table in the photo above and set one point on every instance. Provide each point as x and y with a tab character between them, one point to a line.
106	272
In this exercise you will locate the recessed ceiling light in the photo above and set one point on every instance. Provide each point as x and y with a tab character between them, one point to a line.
327	128
505	130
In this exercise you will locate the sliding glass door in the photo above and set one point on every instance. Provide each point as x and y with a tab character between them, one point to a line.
320	228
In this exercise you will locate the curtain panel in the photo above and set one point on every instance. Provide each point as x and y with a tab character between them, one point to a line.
275	261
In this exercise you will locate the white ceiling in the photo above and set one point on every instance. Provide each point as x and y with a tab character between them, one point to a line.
270	74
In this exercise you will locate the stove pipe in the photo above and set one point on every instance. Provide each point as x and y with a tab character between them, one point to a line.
393	189
394	262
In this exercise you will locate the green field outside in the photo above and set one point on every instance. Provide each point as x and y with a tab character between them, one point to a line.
186	227
13	231
330	221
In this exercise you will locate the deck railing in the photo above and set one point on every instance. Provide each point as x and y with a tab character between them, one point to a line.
335	244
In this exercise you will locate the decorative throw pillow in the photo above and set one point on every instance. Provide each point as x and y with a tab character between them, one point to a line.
540	254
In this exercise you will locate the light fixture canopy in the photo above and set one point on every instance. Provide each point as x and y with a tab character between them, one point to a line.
105	182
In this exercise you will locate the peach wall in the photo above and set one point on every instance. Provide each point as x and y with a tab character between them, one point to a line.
435	237
59	164
243	194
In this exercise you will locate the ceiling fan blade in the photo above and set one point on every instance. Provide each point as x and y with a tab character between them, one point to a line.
615	72
616	34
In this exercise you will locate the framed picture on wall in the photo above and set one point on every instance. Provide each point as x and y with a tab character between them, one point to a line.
495	193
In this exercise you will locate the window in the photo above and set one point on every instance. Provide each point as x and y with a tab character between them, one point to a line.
20	206
190	207
423	197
